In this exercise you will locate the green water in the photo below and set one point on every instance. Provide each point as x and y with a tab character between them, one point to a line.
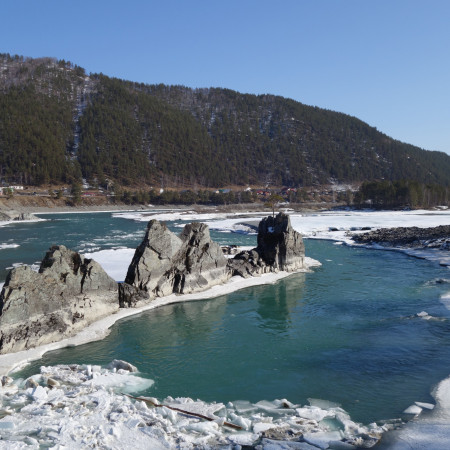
346	333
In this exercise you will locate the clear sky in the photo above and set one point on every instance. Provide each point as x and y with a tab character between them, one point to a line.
386	62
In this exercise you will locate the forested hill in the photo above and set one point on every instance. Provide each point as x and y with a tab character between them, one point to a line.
58	124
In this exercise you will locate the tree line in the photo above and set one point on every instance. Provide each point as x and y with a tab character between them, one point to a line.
398	194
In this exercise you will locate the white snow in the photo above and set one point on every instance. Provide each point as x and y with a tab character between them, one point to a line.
114	262
83	413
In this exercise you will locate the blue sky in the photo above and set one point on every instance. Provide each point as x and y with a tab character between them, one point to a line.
386	62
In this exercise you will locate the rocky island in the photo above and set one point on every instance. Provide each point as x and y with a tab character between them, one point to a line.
408	237
70	292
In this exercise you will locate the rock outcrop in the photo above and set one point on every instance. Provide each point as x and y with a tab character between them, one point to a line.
12	214
198	264
165	263
280	248
409	237
68	293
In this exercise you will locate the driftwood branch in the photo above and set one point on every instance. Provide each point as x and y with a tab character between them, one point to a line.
200	416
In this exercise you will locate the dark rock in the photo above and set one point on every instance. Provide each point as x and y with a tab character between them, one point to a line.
229	249
68	293
280	248
131	296
411	237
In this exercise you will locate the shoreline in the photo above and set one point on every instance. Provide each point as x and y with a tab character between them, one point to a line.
98	330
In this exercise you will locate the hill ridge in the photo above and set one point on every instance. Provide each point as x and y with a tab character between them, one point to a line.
58	124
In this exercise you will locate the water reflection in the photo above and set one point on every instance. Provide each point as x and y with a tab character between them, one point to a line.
277	302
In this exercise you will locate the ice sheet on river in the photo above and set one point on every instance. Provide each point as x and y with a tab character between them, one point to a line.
80	406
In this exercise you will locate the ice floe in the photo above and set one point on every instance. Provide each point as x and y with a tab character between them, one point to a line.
88	406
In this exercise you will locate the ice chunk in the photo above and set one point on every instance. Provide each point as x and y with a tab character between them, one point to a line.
38	393
244	407
322	438
243	438
413	409
125	382
313	413
425	405
7	425
324	404
259	427
245	424
204	428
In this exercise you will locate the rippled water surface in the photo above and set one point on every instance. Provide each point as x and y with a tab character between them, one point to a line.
348	332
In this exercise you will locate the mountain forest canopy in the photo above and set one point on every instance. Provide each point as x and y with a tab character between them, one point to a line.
58	124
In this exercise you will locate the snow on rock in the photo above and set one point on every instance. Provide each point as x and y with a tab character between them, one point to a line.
86	407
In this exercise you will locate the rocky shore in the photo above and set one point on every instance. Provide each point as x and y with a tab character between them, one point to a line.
70	292
408	237
12	214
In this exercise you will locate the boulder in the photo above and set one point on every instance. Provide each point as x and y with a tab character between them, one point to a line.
280	248
68	293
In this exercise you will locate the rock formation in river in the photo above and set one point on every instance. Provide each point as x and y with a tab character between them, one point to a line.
12	214
71	291
411	237
280	247
68	293
165	263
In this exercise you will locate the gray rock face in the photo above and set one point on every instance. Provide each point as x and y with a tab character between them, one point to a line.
12	214
153	257
164	264
280	248
198	264
68	293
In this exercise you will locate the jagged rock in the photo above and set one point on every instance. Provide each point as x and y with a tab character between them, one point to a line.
131	297
165	263
247	264
198	264
280	247
153	257
68	293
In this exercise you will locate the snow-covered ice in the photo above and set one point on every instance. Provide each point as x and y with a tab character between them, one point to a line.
80	412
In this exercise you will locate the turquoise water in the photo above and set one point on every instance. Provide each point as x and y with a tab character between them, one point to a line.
346	333
81	232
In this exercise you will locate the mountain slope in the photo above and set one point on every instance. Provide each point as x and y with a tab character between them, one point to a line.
57	124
